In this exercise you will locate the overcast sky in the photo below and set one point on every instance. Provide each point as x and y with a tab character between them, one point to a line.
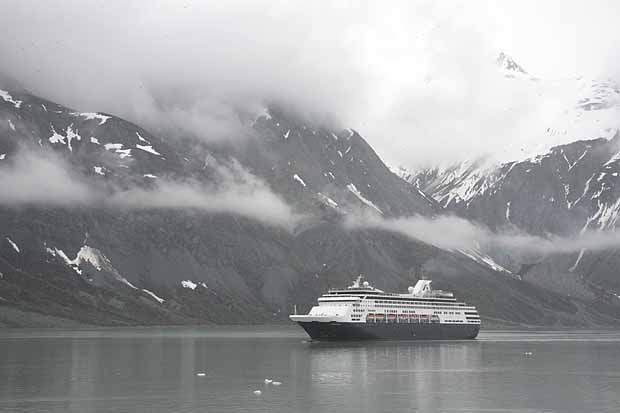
416	78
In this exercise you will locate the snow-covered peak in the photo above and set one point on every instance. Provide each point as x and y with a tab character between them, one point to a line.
509	65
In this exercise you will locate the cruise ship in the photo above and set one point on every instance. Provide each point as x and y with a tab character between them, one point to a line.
363	312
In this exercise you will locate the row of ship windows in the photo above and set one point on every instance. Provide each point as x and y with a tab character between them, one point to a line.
417	304
407	306
355	310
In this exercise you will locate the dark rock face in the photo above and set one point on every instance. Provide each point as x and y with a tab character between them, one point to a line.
118	266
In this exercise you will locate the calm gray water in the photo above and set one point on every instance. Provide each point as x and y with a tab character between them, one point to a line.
155	370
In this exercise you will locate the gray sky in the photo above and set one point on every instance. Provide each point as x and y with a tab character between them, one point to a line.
416	78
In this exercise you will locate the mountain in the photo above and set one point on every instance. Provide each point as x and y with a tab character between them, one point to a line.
509	66
562	190
130	240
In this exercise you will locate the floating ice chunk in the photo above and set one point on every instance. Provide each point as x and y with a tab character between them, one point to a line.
92	116
11	125
340	154
277	383
288	132
268	381
94	140
189	284
201	374
298	179
2	156
8	98
334	136
14	245
257	392
527	353
152	294
150	176
148	148
99	170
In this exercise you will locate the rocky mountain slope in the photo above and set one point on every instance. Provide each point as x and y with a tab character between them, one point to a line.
128	239
565	190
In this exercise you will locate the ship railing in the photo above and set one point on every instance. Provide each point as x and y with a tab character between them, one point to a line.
402	318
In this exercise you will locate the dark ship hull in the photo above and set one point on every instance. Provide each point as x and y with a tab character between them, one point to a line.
336	331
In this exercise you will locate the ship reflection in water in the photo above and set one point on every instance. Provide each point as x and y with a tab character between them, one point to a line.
401	374
236	368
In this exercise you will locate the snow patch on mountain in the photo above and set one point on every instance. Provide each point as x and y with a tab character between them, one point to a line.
6	96
91	256
189	284
353	189
56	137
154	296
327	200
13	244
298	179
72	135
148	148
579	257
118	148
94	116
484	259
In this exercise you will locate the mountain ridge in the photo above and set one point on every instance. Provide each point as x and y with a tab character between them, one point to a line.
154	264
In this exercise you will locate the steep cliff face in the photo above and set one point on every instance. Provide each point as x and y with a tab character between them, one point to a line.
152	230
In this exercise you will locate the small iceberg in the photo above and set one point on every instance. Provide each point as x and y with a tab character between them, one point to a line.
201	374
268	381
276	383
258	392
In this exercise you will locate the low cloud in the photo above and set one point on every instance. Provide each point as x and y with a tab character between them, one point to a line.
453	233
38	179
416	78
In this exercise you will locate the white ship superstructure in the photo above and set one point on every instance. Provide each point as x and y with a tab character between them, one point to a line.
363	305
